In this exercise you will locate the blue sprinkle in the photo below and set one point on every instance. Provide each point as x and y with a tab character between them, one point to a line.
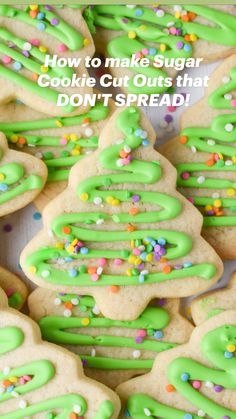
126	413
143	255
138	12
187	264
138	132
68	259
41	26
187	47
152	51
158	334
161	241
188	416
3	187
141	278
148	239
143	135
185	376
73	272
145	143
153	243
40	16
37	216
84	250
17	66
228	355
10	388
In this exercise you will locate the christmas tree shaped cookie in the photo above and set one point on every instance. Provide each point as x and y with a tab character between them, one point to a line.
59	141
116	233
194	380
39	380
172	32
14	288
22	177
214	302
112	351
28	35
205	158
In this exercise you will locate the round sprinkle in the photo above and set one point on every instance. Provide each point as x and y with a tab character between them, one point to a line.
188	416
54	21
170	388
45	273
85	321
27	46
136	354
67	313
201	179
147	412
7	228
17	66
201	413
77	408
37	216
229	127
57	301
231	348
218	388
22	404
185	376
41	26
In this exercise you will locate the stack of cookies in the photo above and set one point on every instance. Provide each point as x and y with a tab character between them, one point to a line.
127	234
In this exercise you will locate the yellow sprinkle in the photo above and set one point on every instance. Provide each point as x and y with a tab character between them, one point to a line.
142	27
220	156
132	34
193	37
131	259
42	48
84	196
2	176
59	245
230	192
13	379
73	137
14	138
66	136
70	249
177	15
145	241
128	272
132	244
162	47
75	152
115	202
137	261
74	242
149	257
32	269
58	123
231	348
234	159
217	203
85	321
44	69
208	207
109	199
34	6
86	42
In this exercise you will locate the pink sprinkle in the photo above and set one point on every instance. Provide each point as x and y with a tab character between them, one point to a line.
21	381
138	55
142	333
95	277
118	262
196	384
190	199
172	31
125	161
185	175
63	141
6	59
62	48
79	244
136	252
35	42
102	262
216	157
145	51
27	377
233	102
171	108
9	292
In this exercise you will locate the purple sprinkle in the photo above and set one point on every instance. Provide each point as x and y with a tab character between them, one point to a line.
141	266
125	20
179	45
11	44
168	118
54	21
157	247
225	417
218	388
210	212
84	362
138	339
162	251
178	267
47	7
178	32
62	293
135	198
161	302
7	228
26	53
157	257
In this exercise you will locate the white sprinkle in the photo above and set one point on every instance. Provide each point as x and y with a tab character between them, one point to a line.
67	313
215	195
88	132
99	270
100	221
75	301
229	127
45	274
177	8
97	200
170	24
57	301
209	384
201	179
6	370
201	414
76	409
93	352
147	411
27	46
119	162
61	261
228	96
142	247
193	149
184	12
131	6
50	233
211	142
39	155
22	404
136	354
228	163
225	79
160	13
96	310
144	272
127	149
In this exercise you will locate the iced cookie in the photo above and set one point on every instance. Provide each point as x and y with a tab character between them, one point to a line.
172	32
214	302
112	351
194	380
22	177
59	141
14	288
116	234
40	380
205	158
28	35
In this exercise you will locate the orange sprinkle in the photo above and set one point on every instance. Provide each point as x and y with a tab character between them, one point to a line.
185	18
6	383
166	269
170	388
22	140
123	154
66	230
86	121
163	260
92	270
33	13
187	38
34	76
131	228
114	289
192	15
210	162
183	139
133	211
69	305
219	213
73	415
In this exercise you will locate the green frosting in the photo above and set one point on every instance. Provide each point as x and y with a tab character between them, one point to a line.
10	339
58	329
62	32
15	300
144	173
14	181
59	165
218	139
149	28
213	347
